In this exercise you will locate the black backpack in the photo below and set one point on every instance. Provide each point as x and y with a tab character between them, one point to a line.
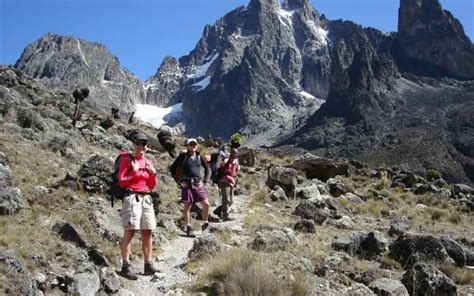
116	191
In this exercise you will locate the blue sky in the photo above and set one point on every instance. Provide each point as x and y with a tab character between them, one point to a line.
142	32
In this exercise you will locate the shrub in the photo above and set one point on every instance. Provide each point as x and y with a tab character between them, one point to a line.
433	174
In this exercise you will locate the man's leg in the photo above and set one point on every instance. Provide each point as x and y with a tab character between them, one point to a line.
186	212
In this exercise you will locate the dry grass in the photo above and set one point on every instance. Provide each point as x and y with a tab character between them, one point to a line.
375	207
259	197
260	216
246	272
460	276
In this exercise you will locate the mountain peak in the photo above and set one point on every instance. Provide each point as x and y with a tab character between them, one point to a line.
295	4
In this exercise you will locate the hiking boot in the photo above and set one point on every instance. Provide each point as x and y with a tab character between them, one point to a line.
189	230
205	226
128	273
226	219
150	269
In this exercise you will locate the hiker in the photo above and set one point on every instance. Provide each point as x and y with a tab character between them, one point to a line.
186	172
138	176
227	173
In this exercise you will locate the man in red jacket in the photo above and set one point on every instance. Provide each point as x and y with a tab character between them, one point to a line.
229	169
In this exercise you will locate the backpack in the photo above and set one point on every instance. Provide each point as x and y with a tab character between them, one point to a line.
116	191
213	165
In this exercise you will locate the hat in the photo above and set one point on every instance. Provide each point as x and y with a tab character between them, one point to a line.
140	136
191	140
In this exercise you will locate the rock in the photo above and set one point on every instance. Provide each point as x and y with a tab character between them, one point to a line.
271	238
337	211
96	256
110	281
205	244
306	226
308	192
94	184
355	199
366	245
11	201
388	287
462	188
345	223
469	257
410	248
320	168
107	123
357	290
98	166
278	194
283	177
9	258
307	210
248	157
86	283
292	262
424	279
337	188
69	233
455	251
166	140
399	226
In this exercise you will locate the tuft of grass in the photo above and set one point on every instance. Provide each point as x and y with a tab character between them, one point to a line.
461	276
246	272
258	197
375	207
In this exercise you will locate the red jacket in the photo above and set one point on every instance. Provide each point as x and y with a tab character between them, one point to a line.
138	181
231	170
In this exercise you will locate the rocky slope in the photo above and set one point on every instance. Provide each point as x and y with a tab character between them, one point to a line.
304	225
70	63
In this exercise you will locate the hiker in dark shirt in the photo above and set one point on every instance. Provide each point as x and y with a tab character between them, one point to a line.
186	170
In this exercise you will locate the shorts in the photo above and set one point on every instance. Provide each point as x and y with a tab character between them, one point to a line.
192	195
137	212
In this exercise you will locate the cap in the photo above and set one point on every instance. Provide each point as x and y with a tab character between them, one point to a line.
191	140
140	136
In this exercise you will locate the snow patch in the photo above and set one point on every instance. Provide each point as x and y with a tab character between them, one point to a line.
80	52
320	33
286	18
202	84
307	95
202	69
157	116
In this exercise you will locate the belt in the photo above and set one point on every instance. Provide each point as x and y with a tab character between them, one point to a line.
141	193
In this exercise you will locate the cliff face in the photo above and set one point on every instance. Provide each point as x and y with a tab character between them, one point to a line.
69	63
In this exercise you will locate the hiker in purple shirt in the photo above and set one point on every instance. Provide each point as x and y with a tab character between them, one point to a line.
186	170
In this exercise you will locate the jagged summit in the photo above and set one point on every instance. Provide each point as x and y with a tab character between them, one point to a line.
69	63
432	42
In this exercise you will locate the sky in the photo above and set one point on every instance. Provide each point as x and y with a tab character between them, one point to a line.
142	32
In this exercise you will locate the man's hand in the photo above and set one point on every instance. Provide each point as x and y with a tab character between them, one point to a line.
183	184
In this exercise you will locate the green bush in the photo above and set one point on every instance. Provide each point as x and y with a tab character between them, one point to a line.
433	174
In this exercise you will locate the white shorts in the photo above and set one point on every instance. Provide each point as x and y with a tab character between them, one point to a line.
137	212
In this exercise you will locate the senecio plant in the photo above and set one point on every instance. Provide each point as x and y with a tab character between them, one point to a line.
236	140
79	96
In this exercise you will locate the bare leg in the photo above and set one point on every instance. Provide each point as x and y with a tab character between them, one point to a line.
147	247
205	210
127	244
186	211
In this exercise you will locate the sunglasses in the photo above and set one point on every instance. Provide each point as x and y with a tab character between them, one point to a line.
141	143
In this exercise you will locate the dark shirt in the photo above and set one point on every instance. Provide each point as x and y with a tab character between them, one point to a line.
190	168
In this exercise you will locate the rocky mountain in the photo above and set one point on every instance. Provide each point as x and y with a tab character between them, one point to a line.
70	63
282	74
262	69
389	99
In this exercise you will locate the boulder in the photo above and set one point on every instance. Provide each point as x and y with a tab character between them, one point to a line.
272	238
399	226
305	225
365	245
205	245
248	157
388	287
424	279
307	210
455	251
410	248
283	177
321	168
